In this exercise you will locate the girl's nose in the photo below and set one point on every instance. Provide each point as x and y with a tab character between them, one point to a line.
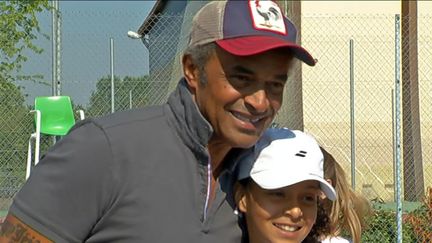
294	212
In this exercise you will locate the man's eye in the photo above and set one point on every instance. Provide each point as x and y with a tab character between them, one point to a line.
241	78
276	87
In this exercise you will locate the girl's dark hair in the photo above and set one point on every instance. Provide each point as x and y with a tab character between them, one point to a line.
321	227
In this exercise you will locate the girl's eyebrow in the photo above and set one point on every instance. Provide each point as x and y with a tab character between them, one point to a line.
317	187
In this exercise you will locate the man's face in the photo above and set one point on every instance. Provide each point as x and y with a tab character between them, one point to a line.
242	94
282	215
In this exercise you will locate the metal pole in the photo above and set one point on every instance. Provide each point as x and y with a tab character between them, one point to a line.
54	48
352	115
55	42
394	143
58	48
130	99
398	131
112	73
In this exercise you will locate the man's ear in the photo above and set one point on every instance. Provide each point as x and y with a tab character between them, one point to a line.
240	197
190	72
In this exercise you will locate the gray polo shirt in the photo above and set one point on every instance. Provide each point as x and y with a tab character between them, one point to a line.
134	176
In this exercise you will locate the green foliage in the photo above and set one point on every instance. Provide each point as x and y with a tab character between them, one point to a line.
129	92
382	228
14	123
18	29
416	223
420	219
12	107
10	96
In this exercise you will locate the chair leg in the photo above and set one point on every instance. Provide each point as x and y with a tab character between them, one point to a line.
81	114
37	136
37	148
29	156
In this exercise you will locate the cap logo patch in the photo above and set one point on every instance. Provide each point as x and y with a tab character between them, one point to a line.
301	153
266	15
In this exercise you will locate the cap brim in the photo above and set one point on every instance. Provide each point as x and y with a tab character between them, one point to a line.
251	45
271	181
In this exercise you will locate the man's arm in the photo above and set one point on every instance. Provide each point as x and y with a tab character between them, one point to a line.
14	230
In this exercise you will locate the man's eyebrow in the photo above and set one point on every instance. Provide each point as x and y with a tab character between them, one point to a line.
241	69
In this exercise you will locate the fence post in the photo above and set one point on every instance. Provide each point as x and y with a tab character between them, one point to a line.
398	132
54	47
130	99
394	144
112	73
352	115
56	53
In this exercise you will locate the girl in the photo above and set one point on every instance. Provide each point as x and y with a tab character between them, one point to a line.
279	186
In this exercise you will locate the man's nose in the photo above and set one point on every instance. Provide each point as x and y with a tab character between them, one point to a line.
258	101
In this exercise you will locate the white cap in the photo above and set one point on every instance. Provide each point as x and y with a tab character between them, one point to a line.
283	157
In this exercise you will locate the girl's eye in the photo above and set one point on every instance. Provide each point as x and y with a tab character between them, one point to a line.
310	198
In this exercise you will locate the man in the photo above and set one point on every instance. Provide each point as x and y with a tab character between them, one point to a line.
152	175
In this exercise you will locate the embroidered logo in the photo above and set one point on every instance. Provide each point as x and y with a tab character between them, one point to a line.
266	15
301	153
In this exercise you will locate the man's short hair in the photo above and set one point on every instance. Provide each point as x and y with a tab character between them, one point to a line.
200	55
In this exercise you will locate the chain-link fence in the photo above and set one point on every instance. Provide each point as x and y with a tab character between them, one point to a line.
347	100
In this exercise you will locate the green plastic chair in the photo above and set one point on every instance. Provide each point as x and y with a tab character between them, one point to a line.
54	117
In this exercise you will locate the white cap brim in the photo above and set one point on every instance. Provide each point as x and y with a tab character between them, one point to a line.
272	180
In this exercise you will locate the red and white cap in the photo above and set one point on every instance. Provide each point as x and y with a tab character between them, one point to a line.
246	28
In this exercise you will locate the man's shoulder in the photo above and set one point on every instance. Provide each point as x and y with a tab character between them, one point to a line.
128	122
129	117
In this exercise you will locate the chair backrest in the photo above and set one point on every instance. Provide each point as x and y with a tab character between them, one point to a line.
57	115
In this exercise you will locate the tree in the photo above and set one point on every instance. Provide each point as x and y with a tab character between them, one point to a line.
100	99
19	27
14	131
130	92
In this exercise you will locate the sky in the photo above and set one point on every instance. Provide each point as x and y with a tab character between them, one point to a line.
87	27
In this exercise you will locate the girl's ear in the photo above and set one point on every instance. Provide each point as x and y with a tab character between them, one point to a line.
240	197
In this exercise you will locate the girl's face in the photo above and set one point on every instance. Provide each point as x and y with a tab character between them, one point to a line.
280	215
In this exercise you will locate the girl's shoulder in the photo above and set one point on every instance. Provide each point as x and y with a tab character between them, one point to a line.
336	240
